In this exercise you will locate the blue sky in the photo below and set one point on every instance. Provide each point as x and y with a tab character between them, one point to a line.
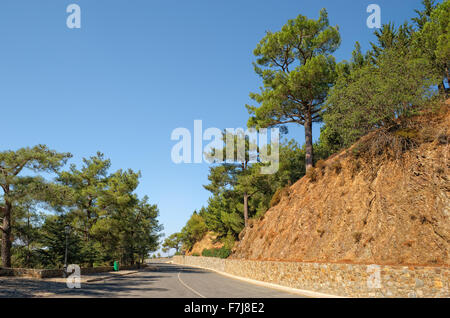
138	69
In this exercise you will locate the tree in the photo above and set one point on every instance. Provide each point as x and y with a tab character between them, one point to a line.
26	232
433	39
251	182
424	15
374	96
17	187
173	241
225	212
87	185
114	222
297	72
53	241
240	146
117	208
193	231
388	38
385	39
166	250
146	229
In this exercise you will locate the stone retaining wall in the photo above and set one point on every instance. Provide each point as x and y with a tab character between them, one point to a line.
49	273
348	280
31	273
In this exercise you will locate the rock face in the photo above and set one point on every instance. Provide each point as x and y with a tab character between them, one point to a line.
379	210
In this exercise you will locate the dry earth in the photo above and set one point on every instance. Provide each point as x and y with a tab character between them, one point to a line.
380	210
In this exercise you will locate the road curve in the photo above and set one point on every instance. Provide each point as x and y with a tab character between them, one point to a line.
169	281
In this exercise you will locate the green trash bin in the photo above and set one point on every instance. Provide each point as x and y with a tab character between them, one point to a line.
116	266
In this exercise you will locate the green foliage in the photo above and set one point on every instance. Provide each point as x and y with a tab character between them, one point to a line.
108	221
26	230
173	241
217	252
194	230
224	213
86	186
423	16
390	38
396	79
18	190
433	39
278	195
53	242
374	96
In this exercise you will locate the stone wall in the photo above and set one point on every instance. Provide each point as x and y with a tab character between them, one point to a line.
31	273
213	263
49	273
348	280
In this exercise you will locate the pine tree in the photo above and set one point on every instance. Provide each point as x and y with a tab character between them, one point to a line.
297	72
17	187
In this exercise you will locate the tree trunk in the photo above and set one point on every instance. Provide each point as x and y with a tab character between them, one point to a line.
446	90
308	142
6	236
27	258
245	209
448	75
441	88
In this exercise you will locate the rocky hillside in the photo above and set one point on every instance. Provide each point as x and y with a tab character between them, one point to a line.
386	200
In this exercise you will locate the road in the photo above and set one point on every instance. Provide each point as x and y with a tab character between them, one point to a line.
169	281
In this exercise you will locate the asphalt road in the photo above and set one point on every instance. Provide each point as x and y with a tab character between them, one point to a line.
169	281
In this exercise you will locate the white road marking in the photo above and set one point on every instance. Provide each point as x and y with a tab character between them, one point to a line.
302	292
191	289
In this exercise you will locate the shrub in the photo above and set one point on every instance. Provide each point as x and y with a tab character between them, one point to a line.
357	236
321	165
355	167
279	194
312	174
443	139
407	133
336	166
217	252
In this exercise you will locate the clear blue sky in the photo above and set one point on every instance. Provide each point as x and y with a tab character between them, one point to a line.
137	69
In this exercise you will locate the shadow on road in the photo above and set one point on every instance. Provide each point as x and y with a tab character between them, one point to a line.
170	268
145	281
26	288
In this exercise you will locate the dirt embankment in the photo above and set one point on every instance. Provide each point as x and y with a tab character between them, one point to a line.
207	242
384	209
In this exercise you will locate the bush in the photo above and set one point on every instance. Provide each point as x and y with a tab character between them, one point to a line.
312	174
217	252
357	236
279	194
336	166
321	165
